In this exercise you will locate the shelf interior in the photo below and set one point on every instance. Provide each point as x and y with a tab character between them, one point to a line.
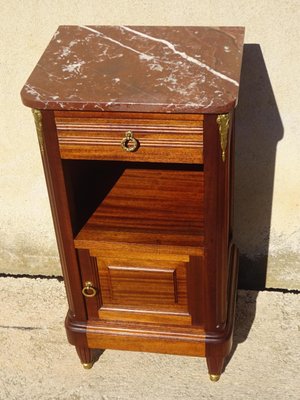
149	207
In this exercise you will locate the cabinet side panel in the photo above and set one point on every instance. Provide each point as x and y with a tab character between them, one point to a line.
216	179
60	213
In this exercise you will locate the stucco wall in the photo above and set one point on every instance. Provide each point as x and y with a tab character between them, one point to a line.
267	132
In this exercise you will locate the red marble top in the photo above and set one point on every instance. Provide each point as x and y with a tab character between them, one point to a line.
138	69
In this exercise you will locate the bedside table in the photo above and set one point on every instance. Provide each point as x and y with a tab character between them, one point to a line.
135	126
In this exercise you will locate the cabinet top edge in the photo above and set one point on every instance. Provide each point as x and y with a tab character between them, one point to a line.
169	69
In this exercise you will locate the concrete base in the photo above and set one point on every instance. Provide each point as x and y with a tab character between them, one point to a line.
38	363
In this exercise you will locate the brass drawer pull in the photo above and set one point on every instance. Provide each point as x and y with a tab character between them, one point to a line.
89	290
129	142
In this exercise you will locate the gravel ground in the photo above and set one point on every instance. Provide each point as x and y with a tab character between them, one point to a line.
38	363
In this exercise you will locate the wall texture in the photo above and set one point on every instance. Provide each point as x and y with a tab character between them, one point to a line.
267	212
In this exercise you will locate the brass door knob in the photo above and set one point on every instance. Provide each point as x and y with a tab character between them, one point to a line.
129	142
89	290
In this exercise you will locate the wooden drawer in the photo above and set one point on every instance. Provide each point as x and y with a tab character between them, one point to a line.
159	138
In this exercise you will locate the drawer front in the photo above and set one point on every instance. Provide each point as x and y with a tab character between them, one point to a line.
159	289
128	137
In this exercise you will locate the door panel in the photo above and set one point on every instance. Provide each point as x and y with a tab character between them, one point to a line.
144	288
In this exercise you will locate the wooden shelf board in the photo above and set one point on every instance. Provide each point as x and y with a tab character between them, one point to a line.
151	208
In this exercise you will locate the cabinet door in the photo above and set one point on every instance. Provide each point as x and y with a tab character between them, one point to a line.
161	289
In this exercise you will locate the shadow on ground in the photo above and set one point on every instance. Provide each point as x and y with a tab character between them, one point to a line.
245	315
258	129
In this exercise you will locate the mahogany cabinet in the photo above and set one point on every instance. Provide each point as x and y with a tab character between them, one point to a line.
135	126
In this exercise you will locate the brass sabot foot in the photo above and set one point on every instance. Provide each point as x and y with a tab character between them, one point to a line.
87	365
214	378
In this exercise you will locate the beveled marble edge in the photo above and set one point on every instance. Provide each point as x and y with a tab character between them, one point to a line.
127	107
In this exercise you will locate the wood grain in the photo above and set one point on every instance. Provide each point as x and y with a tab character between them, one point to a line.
216	222
172	117
219	342
89	273
162	208
61	215
153	344
142	285
63	228
146	337
150	229
141	290
99	135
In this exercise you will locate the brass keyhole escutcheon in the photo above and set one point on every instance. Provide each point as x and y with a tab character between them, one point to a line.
129	142
89	290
